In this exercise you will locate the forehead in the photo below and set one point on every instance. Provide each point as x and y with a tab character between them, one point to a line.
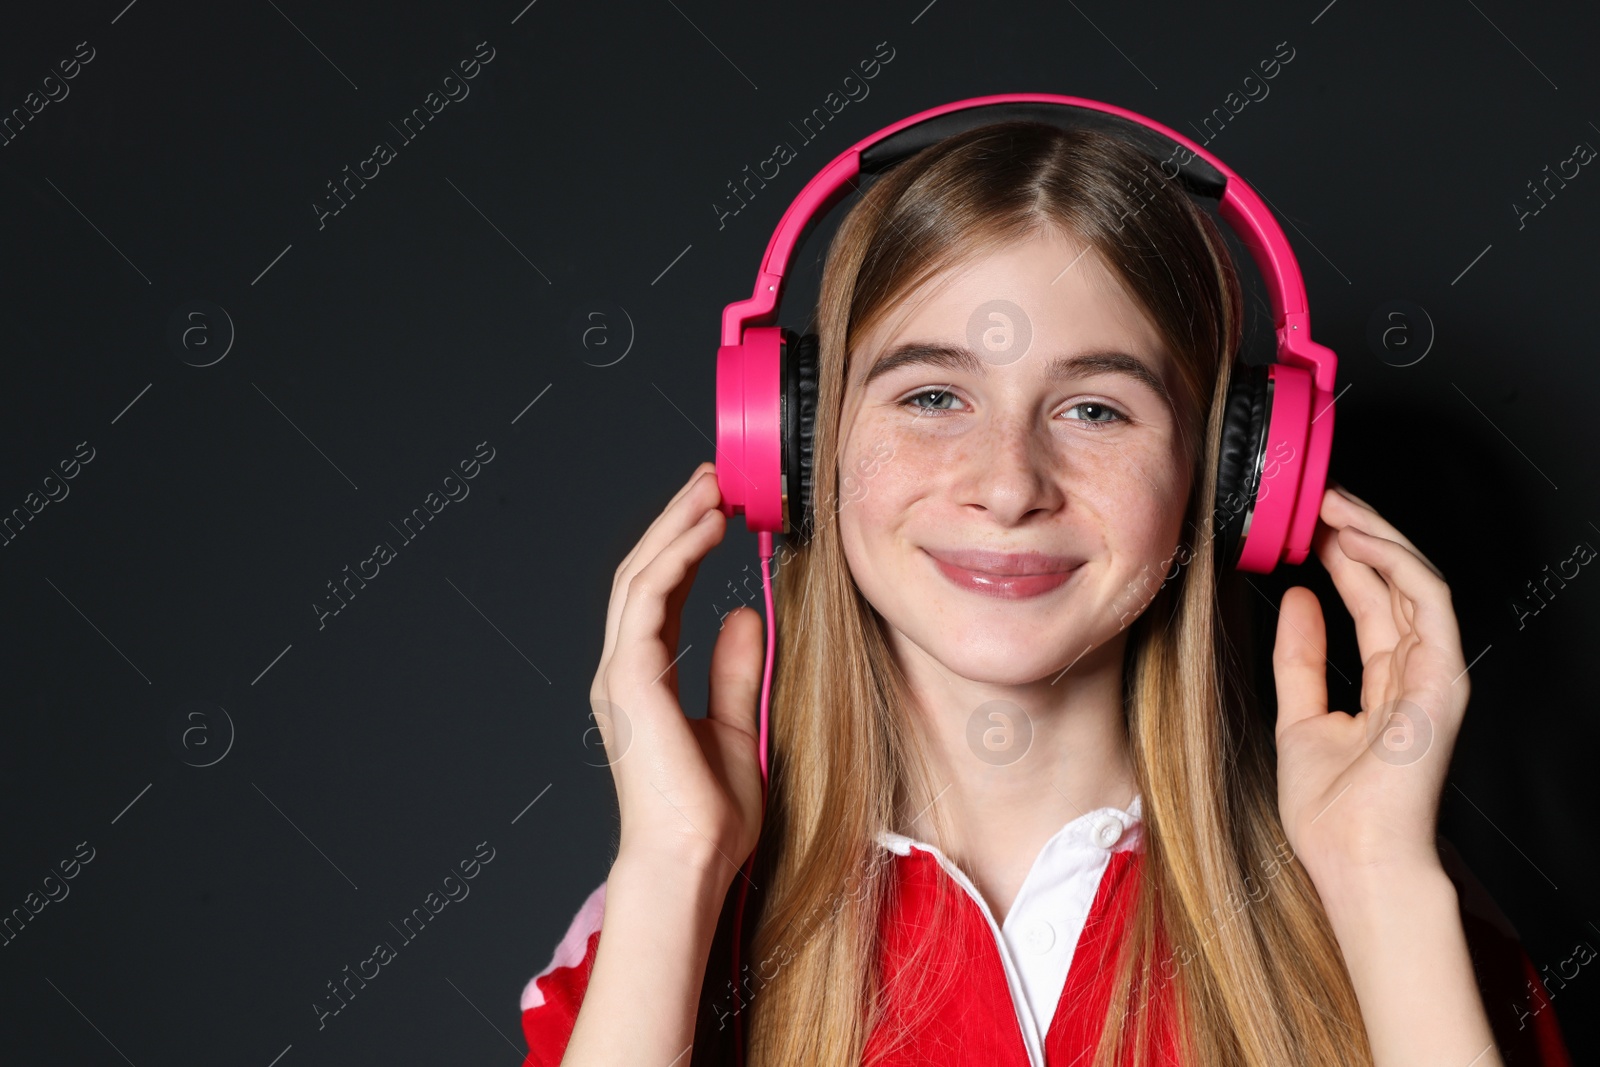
1057	288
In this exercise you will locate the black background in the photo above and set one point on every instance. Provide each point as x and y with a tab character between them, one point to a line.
372	353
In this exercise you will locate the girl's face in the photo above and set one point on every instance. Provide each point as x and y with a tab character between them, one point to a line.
1012	478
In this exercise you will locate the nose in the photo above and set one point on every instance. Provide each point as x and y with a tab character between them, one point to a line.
1009	472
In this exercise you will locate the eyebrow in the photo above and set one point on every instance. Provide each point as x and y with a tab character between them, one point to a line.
959	357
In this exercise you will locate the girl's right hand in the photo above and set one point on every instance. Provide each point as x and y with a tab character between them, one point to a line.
689	790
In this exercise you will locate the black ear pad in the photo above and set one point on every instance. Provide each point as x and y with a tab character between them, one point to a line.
798	367
1244	430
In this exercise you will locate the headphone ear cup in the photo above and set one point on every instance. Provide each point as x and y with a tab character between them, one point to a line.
799	420
1239	458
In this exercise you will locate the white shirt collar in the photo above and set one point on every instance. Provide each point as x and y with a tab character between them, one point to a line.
1041	931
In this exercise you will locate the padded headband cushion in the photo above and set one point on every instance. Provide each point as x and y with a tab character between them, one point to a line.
799	416
1243	430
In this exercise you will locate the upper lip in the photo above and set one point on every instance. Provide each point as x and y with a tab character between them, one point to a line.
1005	564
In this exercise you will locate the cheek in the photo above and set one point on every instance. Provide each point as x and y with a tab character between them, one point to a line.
879	459
1136	500
1142	509
893	456
868	513
862	540
880	481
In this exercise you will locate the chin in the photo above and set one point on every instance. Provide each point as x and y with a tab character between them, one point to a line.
998	657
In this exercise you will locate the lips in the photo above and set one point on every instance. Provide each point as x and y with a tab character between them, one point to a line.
1009	576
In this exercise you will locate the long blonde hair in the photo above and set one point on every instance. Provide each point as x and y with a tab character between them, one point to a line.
1262	984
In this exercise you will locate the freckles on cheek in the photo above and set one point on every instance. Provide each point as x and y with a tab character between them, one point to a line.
911	475
1125	499
1144	468
920	450
1135	497
1114	477
882	453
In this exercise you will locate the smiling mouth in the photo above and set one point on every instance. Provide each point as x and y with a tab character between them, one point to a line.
1006	577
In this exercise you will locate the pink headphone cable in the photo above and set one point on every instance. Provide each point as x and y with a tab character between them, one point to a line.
764	548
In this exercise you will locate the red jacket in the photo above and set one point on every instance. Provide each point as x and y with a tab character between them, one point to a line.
1032	991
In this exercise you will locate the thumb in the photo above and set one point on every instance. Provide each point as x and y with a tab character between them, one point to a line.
1299	659
737	663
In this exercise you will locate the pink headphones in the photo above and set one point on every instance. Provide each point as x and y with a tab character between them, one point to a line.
1278	427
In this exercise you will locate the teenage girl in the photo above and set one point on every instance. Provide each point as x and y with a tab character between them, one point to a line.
1022	808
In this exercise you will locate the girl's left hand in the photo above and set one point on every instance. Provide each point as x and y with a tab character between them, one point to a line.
1360	794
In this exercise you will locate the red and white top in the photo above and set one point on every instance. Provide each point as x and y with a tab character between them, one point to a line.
1032	991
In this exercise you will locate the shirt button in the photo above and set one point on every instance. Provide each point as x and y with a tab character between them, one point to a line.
1041	936
1107	832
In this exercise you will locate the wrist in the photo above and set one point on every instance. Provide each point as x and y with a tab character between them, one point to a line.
1374	901
676	876
1399	928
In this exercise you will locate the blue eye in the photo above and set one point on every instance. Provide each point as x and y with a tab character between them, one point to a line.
935	394
939	400
1115	415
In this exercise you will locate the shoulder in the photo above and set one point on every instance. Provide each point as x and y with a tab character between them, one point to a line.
1514	992
551	999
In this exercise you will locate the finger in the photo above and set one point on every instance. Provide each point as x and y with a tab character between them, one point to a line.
649	537
1363	583
1370	600
1300	659
737	662
644	611
688	507
631	562
672	621
656	533
1381	612
1423	602
1348	509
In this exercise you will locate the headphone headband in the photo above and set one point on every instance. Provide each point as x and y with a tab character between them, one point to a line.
1195	172
1202	173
